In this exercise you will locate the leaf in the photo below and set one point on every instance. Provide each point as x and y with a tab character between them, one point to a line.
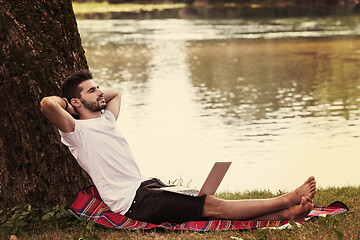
339	234
90	225
47	216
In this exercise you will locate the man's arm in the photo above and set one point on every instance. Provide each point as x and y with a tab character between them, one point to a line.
113	100
53	107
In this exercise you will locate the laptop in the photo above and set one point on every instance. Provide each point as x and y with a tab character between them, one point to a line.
210	185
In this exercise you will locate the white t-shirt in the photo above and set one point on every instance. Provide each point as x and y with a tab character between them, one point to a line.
104	154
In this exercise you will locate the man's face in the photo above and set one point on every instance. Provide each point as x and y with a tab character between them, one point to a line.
91	96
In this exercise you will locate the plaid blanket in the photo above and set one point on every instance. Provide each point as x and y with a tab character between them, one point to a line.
88	204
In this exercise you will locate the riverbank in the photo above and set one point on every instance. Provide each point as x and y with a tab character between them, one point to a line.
104	7
57	223
105	10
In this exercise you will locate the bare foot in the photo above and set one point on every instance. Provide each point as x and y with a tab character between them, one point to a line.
299	212
307	190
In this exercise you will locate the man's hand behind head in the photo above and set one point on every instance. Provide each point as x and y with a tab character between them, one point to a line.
70	108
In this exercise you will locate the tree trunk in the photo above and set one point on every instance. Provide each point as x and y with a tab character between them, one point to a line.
40	46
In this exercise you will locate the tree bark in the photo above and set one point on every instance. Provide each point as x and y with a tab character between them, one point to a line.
40	46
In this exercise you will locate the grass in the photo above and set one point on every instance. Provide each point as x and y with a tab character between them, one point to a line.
56	223
104	7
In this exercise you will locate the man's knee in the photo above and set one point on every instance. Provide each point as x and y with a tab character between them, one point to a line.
213	207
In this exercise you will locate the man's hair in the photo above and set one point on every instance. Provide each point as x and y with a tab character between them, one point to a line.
70	88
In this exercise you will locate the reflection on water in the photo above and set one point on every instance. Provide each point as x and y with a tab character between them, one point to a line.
198	91
118	32
277	79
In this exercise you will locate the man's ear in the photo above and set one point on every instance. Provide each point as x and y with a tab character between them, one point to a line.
75	102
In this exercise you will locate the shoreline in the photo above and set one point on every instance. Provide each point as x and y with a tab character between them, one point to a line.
105	7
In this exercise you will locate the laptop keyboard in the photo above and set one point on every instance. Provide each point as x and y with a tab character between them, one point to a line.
191	192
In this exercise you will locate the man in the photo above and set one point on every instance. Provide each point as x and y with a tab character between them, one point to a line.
104	154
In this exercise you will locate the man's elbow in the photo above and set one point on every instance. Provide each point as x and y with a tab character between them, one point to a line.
118	93
46	104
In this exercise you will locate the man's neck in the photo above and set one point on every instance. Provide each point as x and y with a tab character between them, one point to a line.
90	115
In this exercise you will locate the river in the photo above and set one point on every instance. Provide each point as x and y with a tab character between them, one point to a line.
279	97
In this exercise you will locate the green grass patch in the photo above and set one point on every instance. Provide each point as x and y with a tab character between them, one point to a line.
56	223
104	7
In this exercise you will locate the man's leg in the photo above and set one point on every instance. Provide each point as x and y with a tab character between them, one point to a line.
296	213
299	201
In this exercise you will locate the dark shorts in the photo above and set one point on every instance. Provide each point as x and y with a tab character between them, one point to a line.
151	204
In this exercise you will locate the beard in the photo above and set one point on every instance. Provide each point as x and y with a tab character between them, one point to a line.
93	106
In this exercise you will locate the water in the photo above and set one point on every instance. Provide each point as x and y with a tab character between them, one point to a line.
279	98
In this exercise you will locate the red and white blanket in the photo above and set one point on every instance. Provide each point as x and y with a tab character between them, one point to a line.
88	204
